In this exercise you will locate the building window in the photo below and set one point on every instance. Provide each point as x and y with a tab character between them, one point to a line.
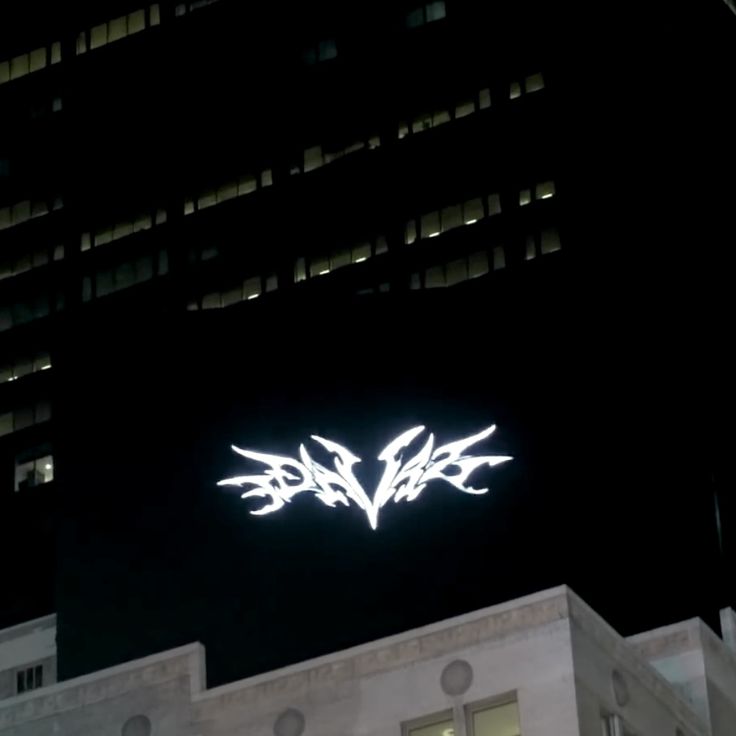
29	679
322	51
24	366
426	14
33	472
499	719
439	725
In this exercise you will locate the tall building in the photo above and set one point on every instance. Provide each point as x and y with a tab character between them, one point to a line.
339	219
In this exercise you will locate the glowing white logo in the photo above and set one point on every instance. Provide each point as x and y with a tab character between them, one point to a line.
401	480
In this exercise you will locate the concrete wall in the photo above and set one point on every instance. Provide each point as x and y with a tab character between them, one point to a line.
703	667
28	644
521	648
159	687
646	701
549	651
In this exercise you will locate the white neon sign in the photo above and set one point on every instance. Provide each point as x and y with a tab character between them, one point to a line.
403	478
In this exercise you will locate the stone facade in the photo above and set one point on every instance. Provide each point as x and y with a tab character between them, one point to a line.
566	668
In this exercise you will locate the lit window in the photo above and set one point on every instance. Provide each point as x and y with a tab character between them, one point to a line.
252	288
430	225
410	233
464	109
477	264
246	184
494	204
514	90
33	472
19	66
81	43
531	249
451	217
327	50
436	11
497	720
55	52
272	282
484	99
473	211
300	270
361	252
545	190
37	59
117	28
534	83
525	197
550	240
442	725
98	36
56	104
499	258
456	271
136	21
4	72
415	18
154	14
266	178
434	278
313	158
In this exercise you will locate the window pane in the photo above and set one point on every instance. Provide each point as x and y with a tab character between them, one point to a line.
6	423
478	264
503	720
24	475
545	190
136	21
494	204
451	217
514	90
525	196
313	158
20	682
440	728
246	184
433	277
55	52
117	28
98	36
484	98
457	271
339	258
327	50
550	240
415	18
39	676
38	59
473	211
19	66
534	83
4	72
435	11
465	108
155	14
499	258
431	225
252	288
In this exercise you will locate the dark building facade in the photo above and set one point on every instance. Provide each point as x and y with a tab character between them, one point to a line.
432	213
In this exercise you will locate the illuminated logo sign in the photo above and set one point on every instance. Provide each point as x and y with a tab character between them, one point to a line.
403	479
